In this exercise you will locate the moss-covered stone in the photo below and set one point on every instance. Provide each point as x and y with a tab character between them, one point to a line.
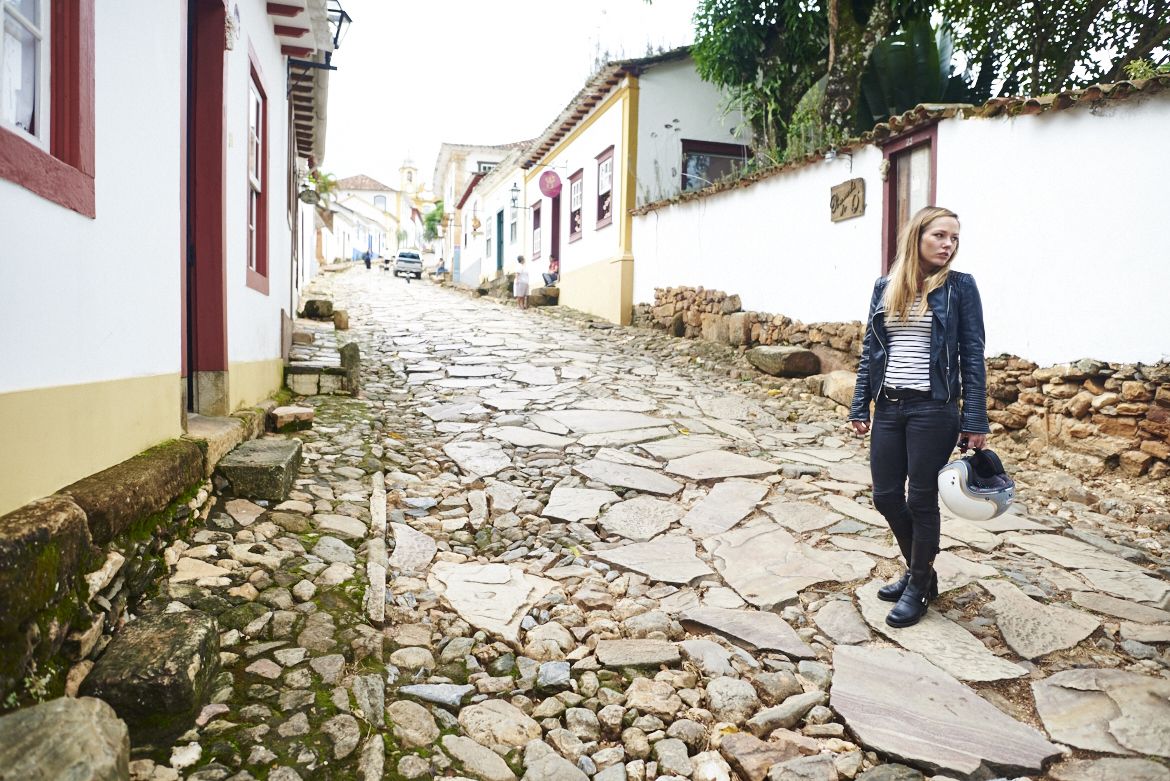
43	548
142	486
262	468
157	673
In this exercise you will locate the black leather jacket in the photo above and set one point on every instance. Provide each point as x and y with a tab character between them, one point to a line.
957	369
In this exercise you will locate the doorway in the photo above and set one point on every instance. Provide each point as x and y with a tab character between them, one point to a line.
205	295
554	249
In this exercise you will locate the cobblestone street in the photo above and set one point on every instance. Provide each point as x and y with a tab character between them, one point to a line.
533	548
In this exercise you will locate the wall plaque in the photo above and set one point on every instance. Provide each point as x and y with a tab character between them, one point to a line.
847	200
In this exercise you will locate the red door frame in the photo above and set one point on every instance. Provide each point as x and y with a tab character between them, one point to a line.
206	242
890	151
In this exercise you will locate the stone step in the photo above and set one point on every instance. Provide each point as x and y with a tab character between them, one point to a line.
262	468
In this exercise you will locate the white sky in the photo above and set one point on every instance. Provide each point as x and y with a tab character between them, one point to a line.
414	74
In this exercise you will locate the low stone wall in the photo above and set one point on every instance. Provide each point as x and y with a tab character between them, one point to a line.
72	564
694	312
1089	416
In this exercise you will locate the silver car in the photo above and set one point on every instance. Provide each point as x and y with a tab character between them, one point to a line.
408	262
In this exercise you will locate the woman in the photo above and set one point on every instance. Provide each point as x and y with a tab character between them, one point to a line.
923	351
554	272
520	284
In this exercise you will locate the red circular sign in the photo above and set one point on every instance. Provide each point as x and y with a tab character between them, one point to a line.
550	184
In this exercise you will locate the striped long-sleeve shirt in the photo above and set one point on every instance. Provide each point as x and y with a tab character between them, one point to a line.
909	352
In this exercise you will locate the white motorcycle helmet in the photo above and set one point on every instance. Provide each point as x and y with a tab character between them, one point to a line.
976	487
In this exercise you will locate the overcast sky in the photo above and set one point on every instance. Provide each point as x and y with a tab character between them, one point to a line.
414	74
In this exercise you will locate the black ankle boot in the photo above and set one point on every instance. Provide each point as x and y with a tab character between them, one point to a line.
915	597
892	592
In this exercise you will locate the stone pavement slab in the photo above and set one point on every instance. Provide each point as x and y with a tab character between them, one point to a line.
576	504
625	476
725	505
492	597
719	464
1031	628
668	558
640	518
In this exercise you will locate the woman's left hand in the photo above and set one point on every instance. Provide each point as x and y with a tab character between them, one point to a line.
974	441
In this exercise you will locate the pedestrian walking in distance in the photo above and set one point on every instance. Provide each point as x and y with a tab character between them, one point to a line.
520	284
922	355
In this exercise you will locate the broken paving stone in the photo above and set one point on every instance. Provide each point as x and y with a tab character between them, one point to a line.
725	505
625	476
955	571
1120	608
581	421
801	517
477	457
478	761
640	518
243	511
342	525
942	725
841	621
449	695
765	564
527	437
751	757
1109	769
413	550
577	504
752	629
1033	629
1070	553
492	597
1134	586
668	558
939	639
678	447
1111	711
719	464
495	722
636	653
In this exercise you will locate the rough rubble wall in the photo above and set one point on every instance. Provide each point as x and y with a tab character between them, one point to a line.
1090	415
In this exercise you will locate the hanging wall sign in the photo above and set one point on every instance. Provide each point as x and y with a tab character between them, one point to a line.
550	184
847	200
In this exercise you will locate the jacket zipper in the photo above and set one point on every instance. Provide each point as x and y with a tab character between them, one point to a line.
947	346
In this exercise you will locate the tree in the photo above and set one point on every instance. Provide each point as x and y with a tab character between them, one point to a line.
432	220
1036	47
325	185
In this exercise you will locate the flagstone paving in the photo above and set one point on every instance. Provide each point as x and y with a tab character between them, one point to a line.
535	549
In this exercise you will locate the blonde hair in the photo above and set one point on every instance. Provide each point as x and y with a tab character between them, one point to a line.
904	285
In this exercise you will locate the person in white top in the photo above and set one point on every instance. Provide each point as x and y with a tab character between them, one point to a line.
520	284
923	353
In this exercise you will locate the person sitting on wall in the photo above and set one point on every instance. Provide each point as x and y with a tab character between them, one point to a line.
554	272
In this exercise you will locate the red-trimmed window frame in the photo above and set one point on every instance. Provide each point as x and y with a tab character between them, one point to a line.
894	150
577	213
536	236
716	148
65	173
604	216
256	250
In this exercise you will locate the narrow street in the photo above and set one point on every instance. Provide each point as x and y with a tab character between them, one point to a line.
607	561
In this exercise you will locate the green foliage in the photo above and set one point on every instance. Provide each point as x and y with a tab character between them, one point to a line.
1144	69
1044	46
325	184
432	220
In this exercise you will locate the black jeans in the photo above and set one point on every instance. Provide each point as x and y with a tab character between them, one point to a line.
909	442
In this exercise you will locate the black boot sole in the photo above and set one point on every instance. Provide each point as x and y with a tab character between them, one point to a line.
907	622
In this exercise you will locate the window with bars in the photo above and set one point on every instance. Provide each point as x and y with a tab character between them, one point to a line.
605	188
576	197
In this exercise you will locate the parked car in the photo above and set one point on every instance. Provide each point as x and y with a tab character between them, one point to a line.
408	262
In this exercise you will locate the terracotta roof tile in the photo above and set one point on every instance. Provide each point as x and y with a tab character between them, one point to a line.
361	182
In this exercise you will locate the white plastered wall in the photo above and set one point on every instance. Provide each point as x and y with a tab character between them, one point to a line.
253	317
1064	223
87	300
674	103
773	243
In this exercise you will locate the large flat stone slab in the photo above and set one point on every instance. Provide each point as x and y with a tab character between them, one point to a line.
492	597
77	739
478	457
719	464
527	437
622	438
1135	586
157	674
955	571
858	512
939	639
752	629
588	421
686	445
626	476
970	534
1033	629
669	559
840	620
1070	553
1110	769
765	564
535	375
725	505
577	504
636	653
413	550
1121	608
801	517
262	468
1111	711
941	725
641	518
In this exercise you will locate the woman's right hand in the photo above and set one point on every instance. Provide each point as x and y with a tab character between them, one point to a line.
860	427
